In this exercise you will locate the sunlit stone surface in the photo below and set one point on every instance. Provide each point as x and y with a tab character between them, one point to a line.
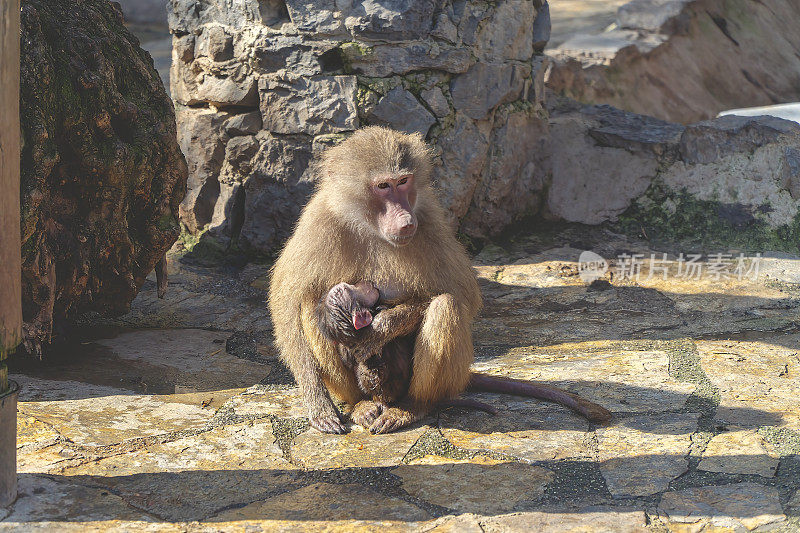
204	430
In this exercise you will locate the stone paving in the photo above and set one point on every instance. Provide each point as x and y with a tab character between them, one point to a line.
178	416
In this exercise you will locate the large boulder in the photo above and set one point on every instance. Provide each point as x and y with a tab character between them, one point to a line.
684	61
263	87
733	180
102	173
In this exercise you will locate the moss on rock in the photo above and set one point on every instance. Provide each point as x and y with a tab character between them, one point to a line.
663	215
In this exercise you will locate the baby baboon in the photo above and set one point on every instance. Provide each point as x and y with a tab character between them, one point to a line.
345	315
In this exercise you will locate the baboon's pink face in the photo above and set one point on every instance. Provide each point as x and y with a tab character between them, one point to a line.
395	194
359	299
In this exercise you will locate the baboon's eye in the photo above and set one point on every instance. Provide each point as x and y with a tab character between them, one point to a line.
383	185
403	181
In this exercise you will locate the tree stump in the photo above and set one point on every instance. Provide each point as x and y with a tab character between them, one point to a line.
102	173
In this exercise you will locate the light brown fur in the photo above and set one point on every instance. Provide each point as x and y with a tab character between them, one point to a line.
336	240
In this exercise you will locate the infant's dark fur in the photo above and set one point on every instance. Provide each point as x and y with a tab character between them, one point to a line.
383	376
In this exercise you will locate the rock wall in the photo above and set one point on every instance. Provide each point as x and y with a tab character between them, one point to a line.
262	86
685	61
102	173
732	180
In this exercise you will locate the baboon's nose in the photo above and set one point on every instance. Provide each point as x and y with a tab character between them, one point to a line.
407	229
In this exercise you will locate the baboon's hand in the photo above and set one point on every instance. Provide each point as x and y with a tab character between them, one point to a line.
393	419
365	412
327	422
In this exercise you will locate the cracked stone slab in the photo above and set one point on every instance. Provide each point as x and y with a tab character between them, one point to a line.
39	446
100	416
259	401
357	449
462	523
544	299
56	504
736	507
595	519
757	380
324	505
740	452
528	429
188	305
181	353
794	501
479	485
194	477
148	361
541	296
639	456
616	377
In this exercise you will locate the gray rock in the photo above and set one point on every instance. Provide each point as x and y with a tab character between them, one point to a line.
295	53
499	83
445	29
244	124
316	16
508	34
592	184
649	15
277	188
740	164
187	89
228	213
706	142
316	70
273	13
391	20
238	155
470	19
308	105
792	171
203	144
384	60
400	110
183	48
621	129
436	101
513	185
323	142
214	42
186	16
464	151
541	29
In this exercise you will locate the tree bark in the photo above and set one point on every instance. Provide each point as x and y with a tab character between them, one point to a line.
102	174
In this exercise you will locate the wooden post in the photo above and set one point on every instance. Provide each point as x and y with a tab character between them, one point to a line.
10	262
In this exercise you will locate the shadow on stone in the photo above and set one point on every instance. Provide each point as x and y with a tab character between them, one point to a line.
415	491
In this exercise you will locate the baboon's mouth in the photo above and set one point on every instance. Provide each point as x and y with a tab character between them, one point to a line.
362	319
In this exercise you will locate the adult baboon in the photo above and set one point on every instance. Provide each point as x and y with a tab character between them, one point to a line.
375	216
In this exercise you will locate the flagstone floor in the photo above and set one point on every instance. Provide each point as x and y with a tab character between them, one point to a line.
179	417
